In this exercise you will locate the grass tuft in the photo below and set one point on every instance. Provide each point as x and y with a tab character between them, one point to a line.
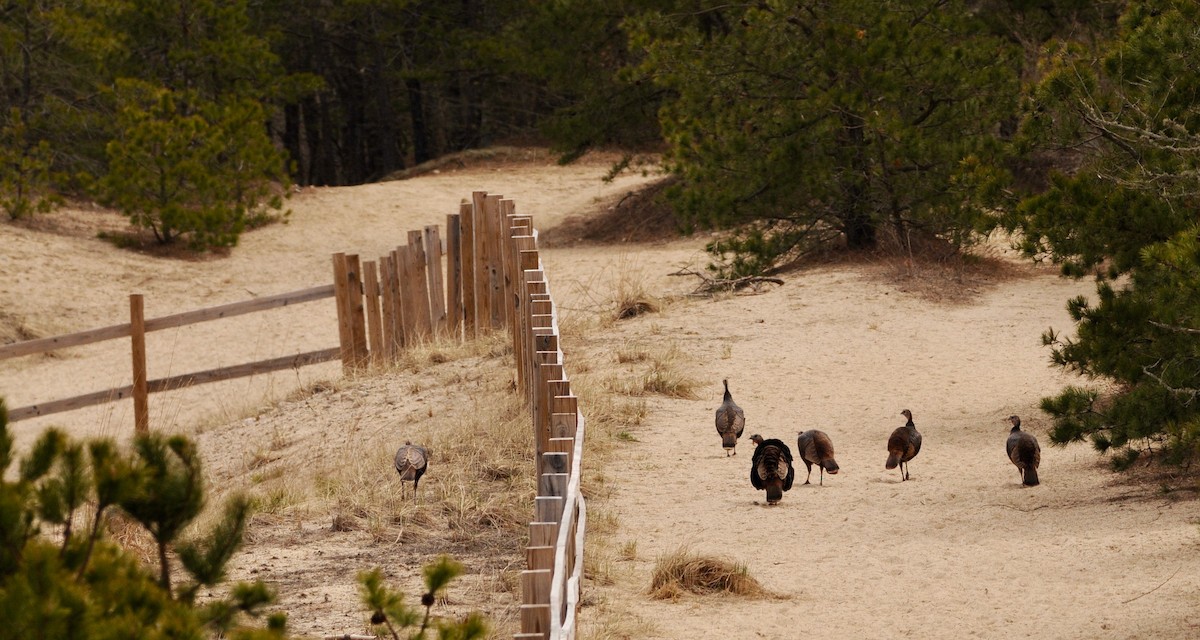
684	571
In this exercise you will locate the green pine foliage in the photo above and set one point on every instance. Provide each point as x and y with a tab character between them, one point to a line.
802	127
60	577
191	158
25	185
391	615
183	167
579	53
1125	117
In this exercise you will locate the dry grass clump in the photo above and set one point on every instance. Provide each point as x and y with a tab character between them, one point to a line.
664	374
630	295
684	571
420	357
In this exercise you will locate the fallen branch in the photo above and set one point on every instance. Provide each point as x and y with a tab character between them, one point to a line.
710	285
1155	588
1009	506
350	636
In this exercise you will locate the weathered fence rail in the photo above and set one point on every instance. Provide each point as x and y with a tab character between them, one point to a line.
487	275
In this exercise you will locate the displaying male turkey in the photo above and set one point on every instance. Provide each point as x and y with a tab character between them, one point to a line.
731	421
903	445
815	447
411	462
1025	452
771	467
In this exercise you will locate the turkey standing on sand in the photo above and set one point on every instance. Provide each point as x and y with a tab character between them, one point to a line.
771	467
1025	452
815	447
411	461
903	445
730	422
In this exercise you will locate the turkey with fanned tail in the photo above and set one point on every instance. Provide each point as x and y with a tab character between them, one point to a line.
771	468
411	462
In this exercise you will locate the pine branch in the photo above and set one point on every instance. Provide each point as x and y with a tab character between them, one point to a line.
1192	393
1170	327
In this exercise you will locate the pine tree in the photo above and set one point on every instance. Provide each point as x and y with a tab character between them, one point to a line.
60	582
805	126
56	581
1126	117
191	157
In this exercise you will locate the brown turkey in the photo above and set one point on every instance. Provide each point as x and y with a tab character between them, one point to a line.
1025	452
731	421
815	447
771	467
411	462
903	445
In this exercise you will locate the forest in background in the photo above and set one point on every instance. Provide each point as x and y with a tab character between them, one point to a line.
793	126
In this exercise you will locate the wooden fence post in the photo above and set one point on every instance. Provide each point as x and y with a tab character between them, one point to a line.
403	337
374	319
437	290
391	317
495	260
419	283
454	271
358	317
470	304
483	302
509	231
535	610
141	389
341	286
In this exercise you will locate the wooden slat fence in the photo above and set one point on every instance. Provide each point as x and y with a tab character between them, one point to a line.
487	275
550	584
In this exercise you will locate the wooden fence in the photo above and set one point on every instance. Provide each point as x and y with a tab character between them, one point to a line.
491	278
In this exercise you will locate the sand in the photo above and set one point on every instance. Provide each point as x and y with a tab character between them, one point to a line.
960	550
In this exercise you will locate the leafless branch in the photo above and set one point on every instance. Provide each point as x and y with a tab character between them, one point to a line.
710	285
1155	588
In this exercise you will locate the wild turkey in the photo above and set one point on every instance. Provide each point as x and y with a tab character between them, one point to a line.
903	445
731	421
771	467
815	447
411	462
1025	452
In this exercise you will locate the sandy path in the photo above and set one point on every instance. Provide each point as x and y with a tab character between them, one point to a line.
961	550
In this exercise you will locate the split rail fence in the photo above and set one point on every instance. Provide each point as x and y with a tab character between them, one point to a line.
493	280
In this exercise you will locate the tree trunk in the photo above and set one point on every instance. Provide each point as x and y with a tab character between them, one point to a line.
859	230
420	126
384	156
857	224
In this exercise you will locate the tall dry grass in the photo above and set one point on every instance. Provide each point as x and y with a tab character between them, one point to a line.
477	497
